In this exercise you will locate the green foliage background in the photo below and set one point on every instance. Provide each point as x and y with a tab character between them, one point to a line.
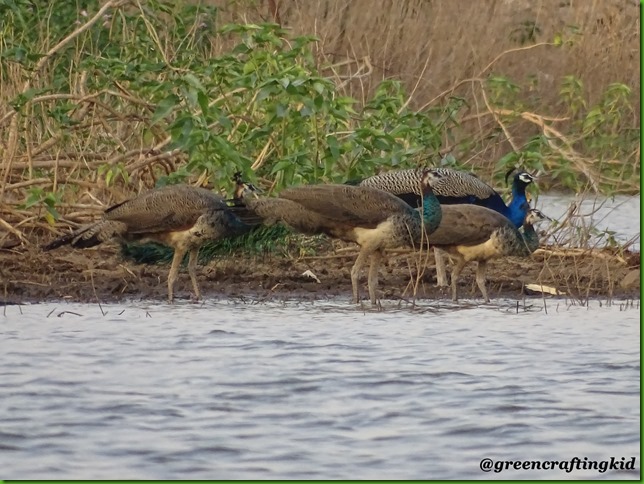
156	92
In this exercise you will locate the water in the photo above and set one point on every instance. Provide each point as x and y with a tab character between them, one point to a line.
226	390
323	390
620	214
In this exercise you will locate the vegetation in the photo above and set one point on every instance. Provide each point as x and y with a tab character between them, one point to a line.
107	98
275	239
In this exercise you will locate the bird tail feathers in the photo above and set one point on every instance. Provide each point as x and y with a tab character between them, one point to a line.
88	236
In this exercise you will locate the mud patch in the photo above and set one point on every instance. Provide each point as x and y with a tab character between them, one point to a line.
101	274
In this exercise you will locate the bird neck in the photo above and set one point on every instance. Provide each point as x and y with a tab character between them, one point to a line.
431	210
531	238
239	196
519	205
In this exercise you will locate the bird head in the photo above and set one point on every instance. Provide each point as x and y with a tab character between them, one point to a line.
535	216
244	189
522	177
525	178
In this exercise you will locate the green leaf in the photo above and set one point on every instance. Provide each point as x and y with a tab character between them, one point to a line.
281	110
318	102
165	107
284	82
241	49
192	80
35	197
53	212
249	67
202	99
306	111
334	148
281	166
225	122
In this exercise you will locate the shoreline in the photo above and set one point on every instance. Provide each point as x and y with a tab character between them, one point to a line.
103	275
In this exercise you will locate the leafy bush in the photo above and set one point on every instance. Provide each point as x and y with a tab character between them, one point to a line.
116	96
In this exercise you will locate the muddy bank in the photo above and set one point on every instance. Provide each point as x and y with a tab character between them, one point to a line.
102	274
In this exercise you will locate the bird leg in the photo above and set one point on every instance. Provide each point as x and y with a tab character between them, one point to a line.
441	273
480	279
192	270
174	271
372	281
355	274
456	271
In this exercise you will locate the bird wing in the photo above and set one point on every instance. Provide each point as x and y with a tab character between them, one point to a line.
467	225
397	182
274	209
452	187
166	209
363	206
460	184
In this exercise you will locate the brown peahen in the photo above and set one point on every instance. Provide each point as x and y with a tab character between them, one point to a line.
372	218
180	216
472	233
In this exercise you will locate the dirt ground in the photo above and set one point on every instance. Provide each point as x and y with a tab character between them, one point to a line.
28	275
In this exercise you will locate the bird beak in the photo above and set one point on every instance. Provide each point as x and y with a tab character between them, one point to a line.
256	190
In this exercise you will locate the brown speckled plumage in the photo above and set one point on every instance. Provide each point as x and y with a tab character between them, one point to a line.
180	216
471	233
372	218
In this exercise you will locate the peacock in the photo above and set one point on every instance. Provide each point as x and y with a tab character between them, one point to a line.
455	187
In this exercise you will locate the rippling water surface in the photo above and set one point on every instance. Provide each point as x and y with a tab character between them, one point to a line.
620	215
316	390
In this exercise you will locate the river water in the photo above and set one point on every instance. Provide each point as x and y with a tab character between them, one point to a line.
324	390
618	216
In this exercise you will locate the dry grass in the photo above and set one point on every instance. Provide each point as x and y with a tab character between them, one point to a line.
433	45
442	48
438	48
